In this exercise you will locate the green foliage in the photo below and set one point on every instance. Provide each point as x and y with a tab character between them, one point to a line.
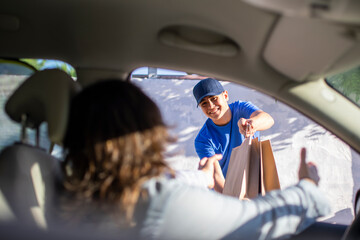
36	63
67	68
41	64
348	83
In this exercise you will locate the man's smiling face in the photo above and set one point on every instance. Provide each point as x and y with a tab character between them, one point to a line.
215	108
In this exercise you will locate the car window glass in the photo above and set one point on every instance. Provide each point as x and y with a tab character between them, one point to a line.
10	131
338	163
347	83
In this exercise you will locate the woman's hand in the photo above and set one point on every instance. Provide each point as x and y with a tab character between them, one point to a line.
308	171
212	168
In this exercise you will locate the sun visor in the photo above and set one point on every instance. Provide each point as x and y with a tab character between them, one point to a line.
304	49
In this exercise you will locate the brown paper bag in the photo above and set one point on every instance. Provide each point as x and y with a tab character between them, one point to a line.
269	175
252	170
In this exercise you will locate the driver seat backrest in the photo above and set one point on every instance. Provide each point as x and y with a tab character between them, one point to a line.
28	174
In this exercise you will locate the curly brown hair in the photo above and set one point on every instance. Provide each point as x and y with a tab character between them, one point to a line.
114	142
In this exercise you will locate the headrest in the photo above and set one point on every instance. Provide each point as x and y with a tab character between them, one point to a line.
44	97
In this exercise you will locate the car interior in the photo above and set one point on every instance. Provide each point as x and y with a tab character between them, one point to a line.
284	49
36	101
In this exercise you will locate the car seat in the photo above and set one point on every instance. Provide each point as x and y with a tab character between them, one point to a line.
28	173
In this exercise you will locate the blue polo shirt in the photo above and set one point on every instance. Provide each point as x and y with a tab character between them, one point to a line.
213	139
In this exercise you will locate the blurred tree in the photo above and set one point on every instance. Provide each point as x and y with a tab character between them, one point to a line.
66	68
41	64
36	63
348	83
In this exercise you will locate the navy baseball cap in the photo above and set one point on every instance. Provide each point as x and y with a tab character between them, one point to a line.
207	87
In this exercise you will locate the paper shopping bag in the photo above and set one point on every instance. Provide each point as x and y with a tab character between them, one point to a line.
252	170
269	176
235	182
253	181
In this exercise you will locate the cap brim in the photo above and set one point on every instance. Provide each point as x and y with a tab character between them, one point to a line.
207	94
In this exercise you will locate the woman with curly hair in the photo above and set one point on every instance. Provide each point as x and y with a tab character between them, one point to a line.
116	175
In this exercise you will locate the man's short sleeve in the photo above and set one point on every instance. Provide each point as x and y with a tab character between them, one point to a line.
244	109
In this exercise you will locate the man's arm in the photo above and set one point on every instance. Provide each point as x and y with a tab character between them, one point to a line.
258	121
206	151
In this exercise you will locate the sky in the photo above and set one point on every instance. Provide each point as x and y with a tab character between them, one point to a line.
160	71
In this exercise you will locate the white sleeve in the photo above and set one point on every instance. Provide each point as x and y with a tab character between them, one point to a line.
183	212
194	178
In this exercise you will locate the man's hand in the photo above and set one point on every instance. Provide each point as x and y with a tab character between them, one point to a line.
308	171
258	121
212	168
246	127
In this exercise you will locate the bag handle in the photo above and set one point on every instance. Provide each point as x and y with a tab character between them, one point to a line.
248	131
